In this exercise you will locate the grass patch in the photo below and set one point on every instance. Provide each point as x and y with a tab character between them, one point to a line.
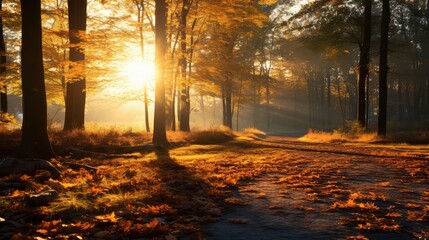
212	136
337	136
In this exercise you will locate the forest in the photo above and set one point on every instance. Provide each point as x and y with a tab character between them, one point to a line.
214	119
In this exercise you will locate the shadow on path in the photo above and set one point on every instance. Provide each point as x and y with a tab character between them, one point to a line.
187	192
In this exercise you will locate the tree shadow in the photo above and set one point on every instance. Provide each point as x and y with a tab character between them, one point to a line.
189	194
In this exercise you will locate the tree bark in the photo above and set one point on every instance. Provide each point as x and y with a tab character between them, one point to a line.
159	128
184	85
427	59
140	20
384	41
3	91
76	87
363	62
268	98
228	103
35	141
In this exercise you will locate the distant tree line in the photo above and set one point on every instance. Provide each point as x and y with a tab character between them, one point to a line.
363	60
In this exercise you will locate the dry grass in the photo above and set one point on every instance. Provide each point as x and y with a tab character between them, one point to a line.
336	136
99	137
212	136
186	186
253	133
103	138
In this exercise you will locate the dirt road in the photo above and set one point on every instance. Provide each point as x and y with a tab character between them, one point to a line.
331	191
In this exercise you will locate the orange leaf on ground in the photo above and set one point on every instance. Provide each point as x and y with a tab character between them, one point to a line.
261	196
108	218
42	231
235	201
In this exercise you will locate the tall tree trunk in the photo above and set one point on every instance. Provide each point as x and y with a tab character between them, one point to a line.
184	84
76	87
228	103
268	99
224	121
384	41
172	114
140	20
35	141
238	104
427	59
408	100
401	105
173	96
328	97
3	100
159	128
3	91
363	62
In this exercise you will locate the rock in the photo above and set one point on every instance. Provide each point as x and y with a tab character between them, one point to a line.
42	199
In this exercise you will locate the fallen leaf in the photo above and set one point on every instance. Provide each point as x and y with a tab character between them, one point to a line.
17	193
359	237
42	231
235	201
108	218
261	196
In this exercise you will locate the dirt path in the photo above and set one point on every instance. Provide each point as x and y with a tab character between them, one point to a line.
331	191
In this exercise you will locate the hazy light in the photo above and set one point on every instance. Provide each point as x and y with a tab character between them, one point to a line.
137	74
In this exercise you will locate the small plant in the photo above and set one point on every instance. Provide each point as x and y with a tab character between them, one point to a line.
7	118
254	132
212	136
352	129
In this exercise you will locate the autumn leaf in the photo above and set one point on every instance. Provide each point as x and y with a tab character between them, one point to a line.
42	231
235	201
394	215
158	210
17	194
359	237
137	229
412	205
261	196
107	218
84	225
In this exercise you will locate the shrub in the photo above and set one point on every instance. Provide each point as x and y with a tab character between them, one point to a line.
212	136
352	129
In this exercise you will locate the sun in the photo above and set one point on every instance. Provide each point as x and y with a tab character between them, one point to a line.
138	73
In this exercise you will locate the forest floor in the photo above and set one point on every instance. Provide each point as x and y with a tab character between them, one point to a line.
245	188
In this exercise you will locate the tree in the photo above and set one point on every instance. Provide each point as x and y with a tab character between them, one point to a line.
224	59
185	105
384	41
159	129
363	63
338	23
76	87
3	90
35	141
140	20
